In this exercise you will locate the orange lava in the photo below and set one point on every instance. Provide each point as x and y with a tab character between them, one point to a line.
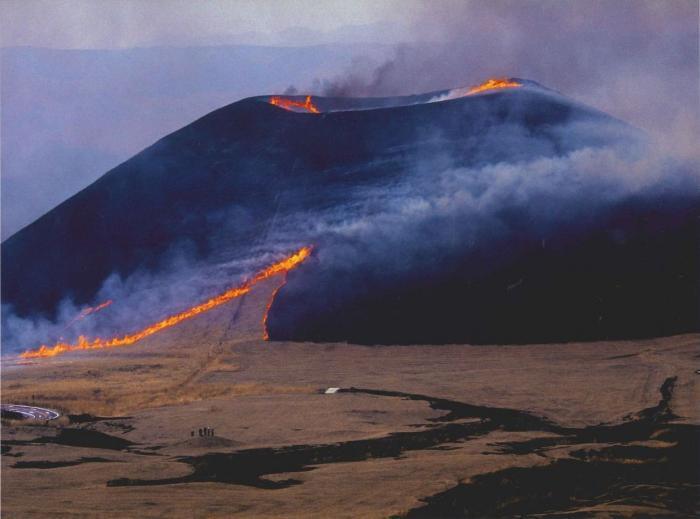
494	84
266	335
291	104
283	266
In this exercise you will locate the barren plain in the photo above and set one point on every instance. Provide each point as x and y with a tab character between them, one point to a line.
579	429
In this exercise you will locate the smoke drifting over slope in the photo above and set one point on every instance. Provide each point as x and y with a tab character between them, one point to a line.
635	59
510	216
582	246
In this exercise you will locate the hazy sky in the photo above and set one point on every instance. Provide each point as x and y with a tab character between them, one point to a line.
67	117
110	24
90	24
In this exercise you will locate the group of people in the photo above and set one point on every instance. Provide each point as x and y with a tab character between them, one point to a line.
205	431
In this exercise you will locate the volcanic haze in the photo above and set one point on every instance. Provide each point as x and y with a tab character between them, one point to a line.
474	215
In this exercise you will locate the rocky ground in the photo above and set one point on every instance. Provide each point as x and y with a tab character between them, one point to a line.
603	429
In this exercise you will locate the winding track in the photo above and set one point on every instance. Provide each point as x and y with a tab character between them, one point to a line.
28	411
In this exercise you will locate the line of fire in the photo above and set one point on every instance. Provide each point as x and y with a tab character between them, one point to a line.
281	267
308	106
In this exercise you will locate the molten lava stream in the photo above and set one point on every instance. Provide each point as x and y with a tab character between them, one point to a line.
494	84
266	335
283	266
291	104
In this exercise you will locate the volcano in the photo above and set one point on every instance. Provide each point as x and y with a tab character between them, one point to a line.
487	215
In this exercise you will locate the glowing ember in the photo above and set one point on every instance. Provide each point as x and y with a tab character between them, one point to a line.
493	84
291	104
283	266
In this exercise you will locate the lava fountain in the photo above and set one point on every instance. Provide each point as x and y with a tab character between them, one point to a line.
83	343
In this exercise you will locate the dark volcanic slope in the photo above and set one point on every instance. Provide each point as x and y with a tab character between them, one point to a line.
219	177
565	258
630	272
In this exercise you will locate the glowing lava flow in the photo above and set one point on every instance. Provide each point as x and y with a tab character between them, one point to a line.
493	84
266	335
283	266
291	104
